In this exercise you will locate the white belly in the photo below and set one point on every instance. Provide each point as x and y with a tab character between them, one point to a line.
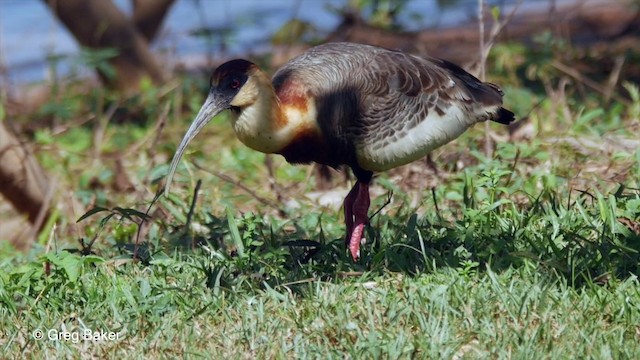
429	134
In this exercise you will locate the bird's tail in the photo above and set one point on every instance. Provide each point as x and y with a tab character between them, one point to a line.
485	93
503	116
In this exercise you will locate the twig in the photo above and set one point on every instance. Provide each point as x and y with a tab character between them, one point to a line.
586	81
298	282
157	131
386	202
98	135
497	29
345	274
481	74
435	202
231	180
273	184
159	126
44	210
142	221
483	58
193	202
47	265
485	48
513	167
63	128
614	77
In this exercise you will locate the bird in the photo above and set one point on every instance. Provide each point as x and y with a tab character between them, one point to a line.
347	104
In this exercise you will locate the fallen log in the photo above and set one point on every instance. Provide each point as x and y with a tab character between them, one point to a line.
585	23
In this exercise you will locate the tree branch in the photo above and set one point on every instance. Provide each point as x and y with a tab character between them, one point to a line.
98	24
148	16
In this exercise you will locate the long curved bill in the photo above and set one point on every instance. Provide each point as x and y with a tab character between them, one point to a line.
212	106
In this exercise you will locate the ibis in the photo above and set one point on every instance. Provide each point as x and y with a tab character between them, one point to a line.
369	108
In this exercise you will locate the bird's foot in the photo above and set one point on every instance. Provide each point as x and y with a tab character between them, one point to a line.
356	240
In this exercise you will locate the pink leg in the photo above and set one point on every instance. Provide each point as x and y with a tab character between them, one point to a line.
348	209
356	208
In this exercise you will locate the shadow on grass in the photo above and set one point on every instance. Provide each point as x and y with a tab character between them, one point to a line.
581	236
585	239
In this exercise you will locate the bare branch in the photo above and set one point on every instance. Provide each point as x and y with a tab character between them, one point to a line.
101	25
148	16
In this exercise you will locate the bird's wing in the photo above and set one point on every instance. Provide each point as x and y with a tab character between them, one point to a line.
381	108
410	106
396	87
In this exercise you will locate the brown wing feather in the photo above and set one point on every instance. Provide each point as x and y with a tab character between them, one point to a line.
404	89
362	90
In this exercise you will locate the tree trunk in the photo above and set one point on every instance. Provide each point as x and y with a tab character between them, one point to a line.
24	184
98	24
148	16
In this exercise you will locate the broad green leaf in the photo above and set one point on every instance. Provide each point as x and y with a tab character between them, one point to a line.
93	211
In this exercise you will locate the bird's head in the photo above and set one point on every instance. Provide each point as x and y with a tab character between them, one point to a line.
234	86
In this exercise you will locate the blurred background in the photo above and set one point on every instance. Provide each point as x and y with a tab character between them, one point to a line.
95	94
518	241
32	38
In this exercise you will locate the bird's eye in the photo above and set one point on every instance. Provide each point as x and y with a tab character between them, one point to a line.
235	84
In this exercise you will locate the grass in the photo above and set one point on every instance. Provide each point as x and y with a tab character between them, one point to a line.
531	252
164	310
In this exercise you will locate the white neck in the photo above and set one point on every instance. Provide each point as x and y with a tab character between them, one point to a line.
266	126
254	125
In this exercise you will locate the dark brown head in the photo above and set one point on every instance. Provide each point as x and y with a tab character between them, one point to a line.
232	86
234	70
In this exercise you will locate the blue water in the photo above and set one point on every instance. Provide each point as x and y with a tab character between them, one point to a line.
29	32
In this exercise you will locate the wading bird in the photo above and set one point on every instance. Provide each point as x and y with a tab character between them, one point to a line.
366	107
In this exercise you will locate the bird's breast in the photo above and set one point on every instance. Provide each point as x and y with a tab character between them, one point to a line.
306	146
306	142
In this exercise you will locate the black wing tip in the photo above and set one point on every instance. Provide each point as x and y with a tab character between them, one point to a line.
504	116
